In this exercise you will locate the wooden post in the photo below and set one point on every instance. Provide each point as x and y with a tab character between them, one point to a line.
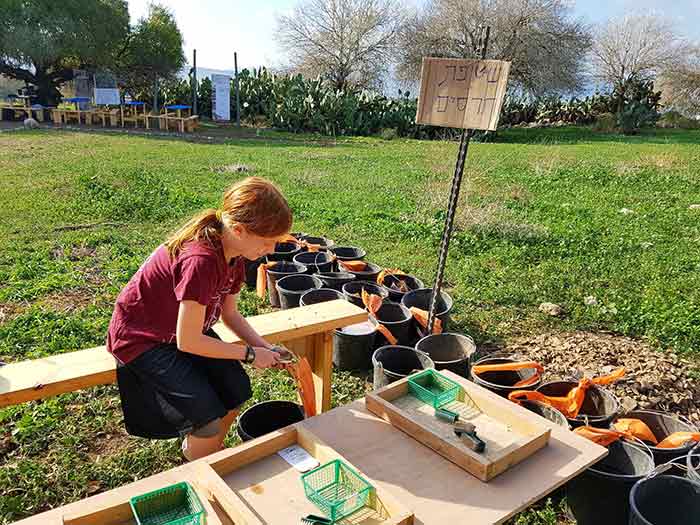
194	82
236	87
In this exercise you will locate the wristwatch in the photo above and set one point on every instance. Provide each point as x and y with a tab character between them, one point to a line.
249	354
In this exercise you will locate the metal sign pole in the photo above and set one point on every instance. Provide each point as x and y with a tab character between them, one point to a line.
454	198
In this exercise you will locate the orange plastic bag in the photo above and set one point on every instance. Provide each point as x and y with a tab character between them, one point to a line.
373	303
354	266
421	316
610	378
600	436
636	428
513	367
679	439
303	376
384	273
261	283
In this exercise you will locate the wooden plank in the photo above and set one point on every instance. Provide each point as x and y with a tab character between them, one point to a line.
510	432
228	500
68	372
322	366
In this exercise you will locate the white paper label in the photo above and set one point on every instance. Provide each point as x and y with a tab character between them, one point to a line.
299	458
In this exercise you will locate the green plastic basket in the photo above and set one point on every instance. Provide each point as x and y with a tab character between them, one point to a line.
336	489
172	505
433	388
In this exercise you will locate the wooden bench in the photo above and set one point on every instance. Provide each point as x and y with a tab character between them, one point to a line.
307	331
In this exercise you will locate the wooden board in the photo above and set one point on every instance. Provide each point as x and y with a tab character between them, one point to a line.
438	491
246	485
510	432
68	372
460	93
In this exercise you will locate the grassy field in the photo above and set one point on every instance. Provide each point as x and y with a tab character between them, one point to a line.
546	215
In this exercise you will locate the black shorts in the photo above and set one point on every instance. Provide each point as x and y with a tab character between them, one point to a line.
166	393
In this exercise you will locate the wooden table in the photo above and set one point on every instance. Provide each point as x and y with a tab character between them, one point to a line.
436	490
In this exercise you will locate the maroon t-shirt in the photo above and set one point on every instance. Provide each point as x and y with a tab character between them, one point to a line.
146	310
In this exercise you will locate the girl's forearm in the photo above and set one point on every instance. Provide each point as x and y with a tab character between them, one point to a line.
206	346
241	327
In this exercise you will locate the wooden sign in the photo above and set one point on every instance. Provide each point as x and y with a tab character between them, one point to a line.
459	93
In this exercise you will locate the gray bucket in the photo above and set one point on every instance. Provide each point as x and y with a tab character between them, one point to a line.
315	262
600	495
353	291
599	407
421	299
546	411
292	287
323	242
398	320
411	282
662	425
335	280
284	251
665	500
320	295
353	346
267	417
369	274
449	351
275	273
349	253
394	362
502	383
692	462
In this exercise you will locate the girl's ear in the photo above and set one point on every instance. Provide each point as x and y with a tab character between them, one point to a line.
237	230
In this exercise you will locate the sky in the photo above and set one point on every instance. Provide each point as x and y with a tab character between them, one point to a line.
217	28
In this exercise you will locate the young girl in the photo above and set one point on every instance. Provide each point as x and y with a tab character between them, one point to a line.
176	377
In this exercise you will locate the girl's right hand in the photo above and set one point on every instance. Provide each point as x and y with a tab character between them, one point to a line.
265	358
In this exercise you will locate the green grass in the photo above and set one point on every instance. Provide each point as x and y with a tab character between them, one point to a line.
540	220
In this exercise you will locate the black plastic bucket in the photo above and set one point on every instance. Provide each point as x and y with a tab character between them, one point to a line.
335	280
600	495
353	291
284	251
320	295
411	282
369	274
315	262
251	272
398	320
394	362
353	346
421	299
546	411
663	425
267	417
292	287
502	382
449	351
665	500
599	406
349	253
275	273
323	242
298	235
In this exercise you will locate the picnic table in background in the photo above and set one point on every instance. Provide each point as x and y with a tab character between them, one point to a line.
63	115
130	113
182	122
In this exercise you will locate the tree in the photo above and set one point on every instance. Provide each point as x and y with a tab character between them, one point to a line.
152	50
680	85
42	42
636	47
546	46
348	42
